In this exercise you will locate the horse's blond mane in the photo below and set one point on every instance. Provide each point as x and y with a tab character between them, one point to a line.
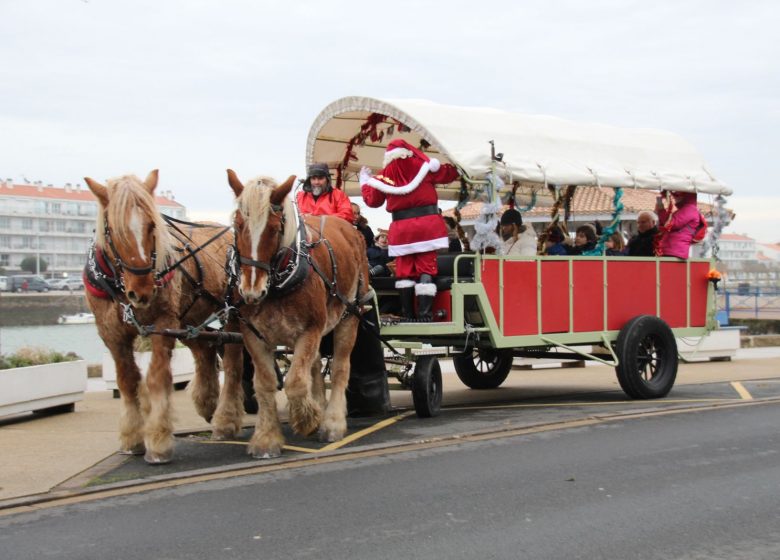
124	193
254	205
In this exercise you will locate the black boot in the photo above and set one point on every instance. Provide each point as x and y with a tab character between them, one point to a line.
425	309
367	391
426	291
407	302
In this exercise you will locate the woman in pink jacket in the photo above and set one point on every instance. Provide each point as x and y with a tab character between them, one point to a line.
677	225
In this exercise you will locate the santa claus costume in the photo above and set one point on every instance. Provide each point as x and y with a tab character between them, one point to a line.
407	184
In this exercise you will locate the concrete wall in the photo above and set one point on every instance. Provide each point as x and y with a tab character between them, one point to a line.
18	310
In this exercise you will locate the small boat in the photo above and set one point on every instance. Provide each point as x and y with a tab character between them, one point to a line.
76	319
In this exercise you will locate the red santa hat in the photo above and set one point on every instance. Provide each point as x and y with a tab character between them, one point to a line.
405	168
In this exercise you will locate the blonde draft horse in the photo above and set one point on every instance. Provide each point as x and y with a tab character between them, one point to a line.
265	222
133	239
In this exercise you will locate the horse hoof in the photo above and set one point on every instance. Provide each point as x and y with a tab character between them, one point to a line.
265	453
222	435
329	436
135	450
158	458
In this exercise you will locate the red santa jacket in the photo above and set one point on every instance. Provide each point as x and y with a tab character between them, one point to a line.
333	203
418	234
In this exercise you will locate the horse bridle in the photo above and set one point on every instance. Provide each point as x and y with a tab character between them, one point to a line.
277	211
120	264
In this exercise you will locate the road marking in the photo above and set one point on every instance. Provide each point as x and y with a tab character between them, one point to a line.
362	433
245	443
597	403
43	502
739	388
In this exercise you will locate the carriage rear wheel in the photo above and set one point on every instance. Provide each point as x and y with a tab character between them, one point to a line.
647	355
483	368
426	387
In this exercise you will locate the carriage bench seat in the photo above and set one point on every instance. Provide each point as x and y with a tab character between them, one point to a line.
445	278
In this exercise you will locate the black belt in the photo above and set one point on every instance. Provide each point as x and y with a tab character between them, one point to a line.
415	212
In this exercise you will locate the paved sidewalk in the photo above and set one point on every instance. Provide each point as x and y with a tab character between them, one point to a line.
42	452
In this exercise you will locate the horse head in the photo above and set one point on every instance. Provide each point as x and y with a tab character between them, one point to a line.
264	222
131	233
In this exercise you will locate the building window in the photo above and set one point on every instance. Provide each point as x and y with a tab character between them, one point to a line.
27	223
5	222
5	260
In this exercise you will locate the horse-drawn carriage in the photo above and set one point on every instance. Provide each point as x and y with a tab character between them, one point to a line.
621	311
149	277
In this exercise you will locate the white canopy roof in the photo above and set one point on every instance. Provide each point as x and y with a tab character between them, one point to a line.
536	148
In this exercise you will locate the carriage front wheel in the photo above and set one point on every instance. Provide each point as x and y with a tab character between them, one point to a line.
647	358
426	387
483	368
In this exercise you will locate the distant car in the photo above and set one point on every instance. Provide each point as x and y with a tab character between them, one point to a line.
69	284
27	283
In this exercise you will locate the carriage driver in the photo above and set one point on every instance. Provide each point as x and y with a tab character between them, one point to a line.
319	198
367	391
417	231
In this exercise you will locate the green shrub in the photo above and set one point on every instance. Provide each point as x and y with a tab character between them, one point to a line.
32	356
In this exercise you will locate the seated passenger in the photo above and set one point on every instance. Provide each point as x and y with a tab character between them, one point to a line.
554	245
518	239
641	245
615	246
361	224
584	241
452	235
378	257
678	224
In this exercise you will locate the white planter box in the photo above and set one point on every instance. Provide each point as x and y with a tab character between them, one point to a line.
721	344
39	387
182	366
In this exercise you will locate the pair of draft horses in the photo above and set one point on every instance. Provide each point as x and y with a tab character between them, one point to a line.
139	247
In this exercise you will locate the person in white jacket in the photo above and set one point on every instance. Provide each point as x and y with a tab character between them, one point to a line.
518	239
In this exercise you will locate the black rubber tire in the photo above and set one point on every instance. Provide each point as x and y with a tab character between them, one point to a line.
483	368
427	387
647	355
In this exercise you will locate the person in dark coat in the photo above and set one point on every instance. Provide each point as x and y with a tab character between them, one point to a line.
641	245
361	224
584	241
554	244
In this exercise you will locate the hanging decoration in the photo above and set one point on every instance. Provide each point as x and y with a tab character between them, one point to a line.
464	240
607	232
721	218
369	130
485	226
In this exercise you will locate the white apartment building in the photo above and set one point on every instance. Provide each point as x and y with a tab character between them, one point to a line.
55	224
734	247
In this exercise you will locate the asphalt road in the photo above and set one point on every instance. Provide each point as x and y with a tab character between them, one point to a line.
703	484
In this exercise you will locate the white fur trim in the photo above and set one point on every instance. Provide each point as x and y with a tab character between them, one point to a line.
395	154
404	284
418	247
426	289
400	189
435	165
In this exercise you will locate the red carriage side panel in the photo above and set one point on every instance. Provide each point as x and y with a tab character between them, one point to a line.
555	296
699	286
520	298
490	283
442	306
588	296
674	305
631	291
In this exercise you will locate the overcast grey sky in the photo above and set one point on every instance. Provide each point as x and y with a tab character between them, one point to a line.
107	87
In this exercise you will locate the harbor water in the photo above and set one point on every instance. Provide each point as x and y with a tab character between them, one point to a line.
81	339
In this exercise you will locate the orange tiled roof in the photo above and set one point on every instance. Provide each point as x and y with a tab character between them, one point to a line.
586	202
61	193
735	237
